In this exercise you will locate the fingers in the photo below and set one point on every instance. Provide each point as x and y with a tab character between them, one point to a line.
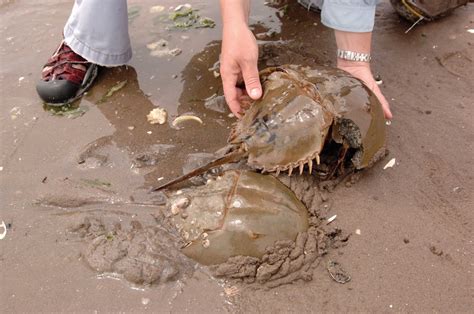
231	94
383	102
252	79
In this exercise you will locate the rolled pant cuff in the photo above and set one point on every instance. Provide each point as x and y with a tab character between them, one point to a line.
92	55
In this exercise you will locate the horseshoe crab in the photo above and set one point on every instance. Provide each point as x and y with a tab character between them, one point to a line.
239	213
307	114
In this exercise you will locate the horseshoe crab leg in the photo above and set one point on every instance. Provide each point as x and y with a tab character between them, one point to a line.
230	157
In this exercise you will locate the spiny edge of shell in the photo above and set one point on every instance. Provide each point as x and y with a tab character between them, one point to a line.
294	165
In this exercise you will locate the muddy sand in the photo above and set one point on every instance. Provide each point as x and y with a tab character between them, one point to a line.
84	234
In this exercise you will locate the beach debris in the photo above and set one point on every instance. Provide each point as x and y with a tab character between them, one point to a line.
133	13
15	112
131	127
390	164
471	30
157	9
337	273
185	17
69	111
216	103
231	291
388	122
331	219
145	301
183	6
96	183
155	45
113	90
157	116
378	80
160	49
185	118
4	233
1	168
357	232
20	79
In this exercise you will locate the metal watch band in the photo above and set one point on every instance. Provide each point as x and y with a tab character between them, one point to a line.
353	56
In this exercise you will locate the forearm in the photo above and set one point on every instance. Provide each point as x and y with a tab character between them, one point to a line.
235	12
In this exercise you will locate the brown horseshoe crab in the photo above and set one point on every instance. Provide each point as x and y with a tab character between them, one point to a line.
307	115
239	213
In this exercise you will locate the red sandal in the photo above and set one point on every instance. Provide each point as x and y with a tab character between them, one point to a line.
66	77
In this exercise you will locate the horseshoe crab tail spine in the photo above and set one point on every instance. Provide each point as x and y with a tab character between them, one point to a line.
278	171
310	166
290	171
301	167
318	161
230	157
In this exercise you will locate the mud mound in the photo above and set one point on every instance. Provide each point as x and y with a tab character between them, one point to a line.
283	263
288	261
142	255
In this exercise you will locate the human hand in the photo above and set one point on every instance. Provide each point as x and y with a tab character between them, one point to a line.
238	61
361	70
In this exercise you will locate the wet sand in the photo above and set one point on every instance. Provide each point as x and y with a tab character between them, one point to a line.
414	250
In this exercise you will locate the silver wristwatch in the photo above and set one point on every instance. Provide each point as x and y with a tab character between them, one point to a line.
353	56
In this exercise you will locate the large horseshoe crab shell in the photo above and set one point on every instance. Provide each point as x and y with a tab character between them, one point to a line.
239	213
302	111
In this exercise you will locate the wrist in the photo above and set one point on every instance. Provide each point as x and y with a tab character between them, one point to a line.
342	63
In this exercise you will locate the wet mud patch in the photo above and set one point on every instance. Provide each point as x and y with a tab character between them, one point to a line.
143	255
458	63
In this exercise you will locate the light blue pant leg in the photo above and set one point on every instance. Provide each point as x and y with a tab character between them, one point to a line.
97	30
349	15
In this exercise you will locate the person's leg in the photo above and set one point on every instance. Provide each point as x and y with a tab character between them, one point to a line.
96	33
97	30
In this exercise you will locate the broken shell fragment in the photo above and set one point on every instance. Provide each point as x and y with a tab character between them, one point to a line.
331	219
157	115
175	209
4	233
157	9
179	205
185	118
390	164
206	243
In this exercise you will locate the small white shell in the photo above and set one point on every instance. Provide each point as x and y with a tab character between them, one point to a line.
206	243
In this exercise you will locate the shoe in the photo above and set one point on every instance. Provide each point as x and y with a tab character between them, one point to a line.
66	77
313	5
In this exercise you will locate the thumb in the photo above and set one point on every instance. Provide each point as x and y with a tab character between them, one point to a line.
252	81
